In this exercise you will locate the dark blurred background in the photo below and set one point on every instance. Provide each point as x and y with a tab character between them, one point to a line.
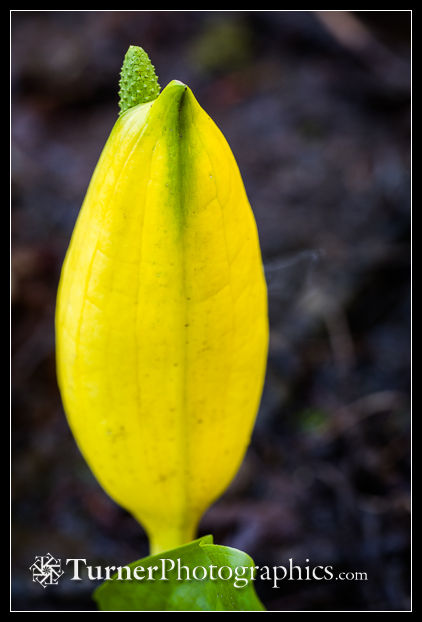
316	108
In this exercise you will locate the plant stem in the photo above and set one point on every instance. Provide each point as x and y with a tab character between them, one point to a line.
171	538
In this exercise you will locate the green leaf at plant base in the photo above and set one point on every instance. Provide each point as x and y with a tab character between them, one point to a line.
182	595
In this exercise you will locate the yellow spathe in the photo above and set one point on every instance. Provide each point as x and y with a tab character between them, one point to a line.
161	320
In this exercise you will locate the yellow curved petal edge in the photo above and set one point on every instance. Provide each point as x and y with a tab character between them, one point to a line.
161	320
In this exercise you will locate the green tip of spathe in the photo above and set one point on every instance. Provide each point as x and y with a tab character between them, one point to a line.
138	82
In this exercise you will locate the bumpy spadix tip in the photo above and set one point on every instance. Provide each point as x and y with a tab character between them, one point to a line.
138	82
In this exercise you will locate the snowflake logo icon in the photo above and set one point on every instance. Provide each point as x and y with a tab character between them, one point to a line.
46	570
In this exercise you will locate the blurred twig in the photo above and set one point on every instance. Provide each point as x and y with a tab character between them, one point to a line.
353	35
